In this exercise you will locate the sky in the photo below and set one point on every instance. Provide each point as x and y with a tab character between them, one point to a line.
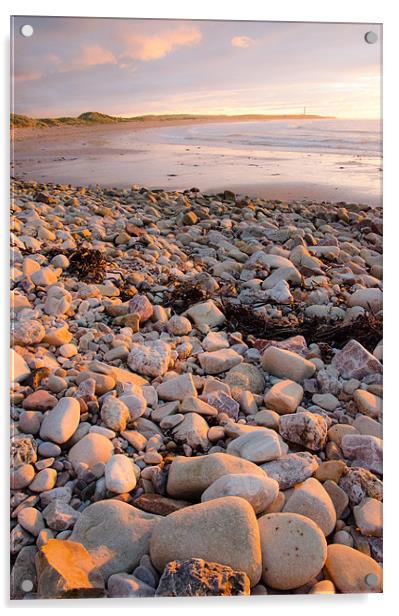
133	67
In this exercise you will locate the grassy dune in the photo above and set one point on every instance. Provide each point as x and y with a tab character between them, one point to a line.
94	117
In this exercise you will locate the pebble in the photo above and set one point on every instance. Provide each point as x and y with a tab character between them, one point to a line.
307	429
119	474
284	397
313	501
286	364
61	422
90	450
44	480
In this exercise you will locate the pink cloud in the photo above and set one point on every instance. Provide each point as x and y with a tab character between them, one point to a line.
156	46
241	41
93	55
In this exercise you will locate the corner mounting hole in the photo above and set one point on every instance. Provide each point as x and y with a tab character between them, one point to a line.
371	37
27	585
26	30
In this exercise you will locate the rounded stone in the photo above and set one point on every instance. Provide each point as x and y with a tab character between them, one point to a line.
31	520
44	480
116	534
119	474
21	476
91	449
294	550
222	530
310	499
60	424
284	397
189	477
29	422
179	326
258	491
352	571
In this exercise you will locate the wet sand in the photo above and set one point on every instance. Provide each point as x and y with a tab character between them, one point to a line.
122	155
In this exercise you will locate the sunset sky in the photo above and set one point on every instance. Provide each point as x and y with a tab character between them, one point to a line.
133	67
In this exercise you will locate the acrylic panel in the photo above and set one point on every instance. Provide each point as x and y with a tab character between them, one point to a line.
196	308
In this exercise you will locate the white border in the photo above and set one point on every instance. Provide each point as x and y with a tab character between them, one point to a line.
366	11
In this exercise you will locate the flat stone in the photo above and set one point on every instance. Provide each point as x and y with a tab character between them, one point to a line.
191	404
193	430
115	534
197	578
354	361
365	451
21	476
367	426
291	469
223	530
215	362
141	305
368	403
368	517
124	585
66	570
60	423
115	414
307	429
19	369
178	326
160	505
284	397
91	449
206	313
151	359
286	364
260	492
294	550
177	388
351	571
44	480
119	474
223	403
59	515
330	470
339	498
370	299
189	477
39	400
214	341
311	500
31	520
258	446
328	402
27	332
246	377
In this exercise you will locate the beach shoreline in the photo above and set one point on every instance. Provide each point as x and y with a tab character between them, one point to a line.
132	153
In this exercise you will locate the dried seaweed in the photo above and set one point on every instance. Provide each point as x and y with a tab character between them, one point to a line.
88	264
185	294
366	329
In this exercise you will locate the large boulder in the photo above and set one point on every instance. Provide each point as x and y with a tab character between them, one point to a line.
116	534
294	550
224	530
189	477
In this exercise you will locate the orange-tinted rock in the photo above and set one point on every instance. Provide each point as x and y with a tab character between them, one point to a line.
65	569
